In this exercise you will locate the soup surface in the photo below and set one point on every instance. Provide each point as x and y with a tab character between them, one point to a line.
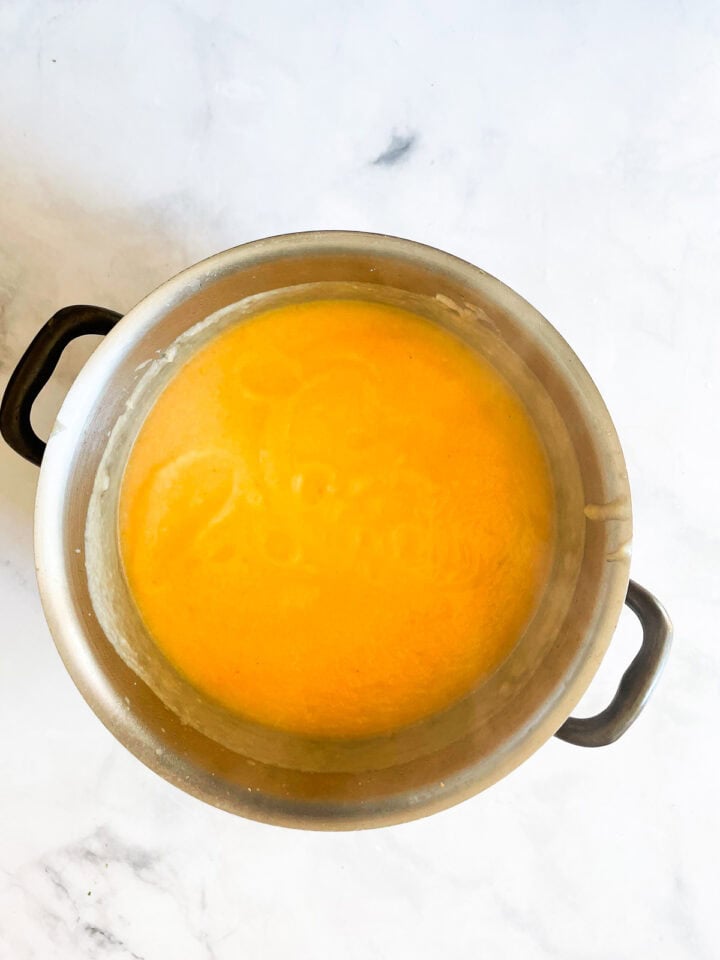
336	519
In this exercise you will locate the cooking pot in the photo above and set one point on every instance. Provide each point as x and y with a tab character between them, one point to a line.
269	775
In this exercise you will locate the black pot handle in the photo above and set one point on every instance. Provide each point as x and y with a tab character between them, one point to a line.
35	368
637	682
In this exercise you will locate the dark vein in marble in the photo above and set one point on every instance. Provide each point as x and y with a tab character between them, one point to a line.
112	849
95	853
398	149
56	880
107	939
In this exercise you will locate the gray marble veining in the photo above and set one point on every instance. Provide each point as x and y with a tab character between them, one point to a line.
574	151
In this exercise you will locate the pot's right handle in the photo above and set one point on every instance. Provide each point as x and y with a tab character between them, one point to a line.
35	368
637	681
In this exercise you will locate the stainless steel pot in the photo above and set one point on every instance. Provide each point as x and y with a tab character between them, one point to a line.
257	772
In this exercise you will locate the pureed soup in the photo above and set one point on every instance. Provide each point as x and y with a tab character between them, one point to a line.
336	519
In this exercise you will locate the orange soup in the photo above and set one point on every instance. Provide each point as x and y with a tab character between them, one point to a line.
336	519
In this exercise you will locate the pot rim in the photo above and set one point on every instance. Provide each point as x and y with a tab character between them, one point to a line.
66	624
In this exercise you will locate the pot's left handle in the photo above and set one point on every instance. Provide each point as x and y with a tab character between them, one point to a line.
35	369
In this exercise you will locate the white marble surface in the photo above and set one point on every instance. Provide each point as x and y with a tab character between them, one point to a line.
571	148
